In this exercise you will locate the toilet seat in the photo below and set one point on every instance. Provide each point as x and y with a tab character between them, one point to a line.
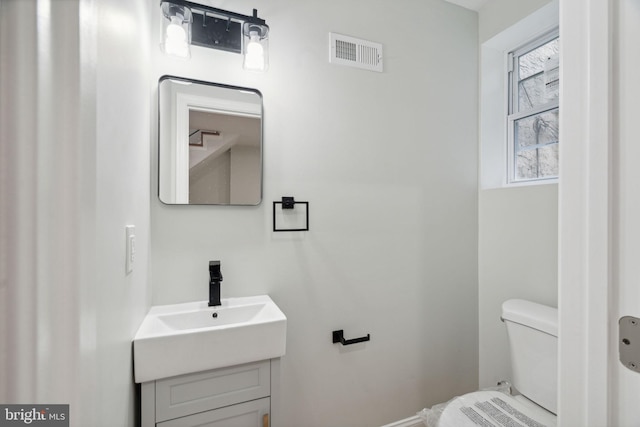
490	408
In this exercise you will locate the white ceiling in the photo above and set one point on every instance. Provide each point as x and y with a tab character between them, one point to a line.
469	4
245	129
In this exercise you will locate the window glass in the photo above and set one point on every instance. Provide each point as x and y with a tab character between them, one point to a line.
534	110
536	146
534	68
533	62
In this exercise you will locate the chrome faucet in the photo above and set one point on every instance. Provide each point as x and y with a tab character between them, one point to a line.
215	277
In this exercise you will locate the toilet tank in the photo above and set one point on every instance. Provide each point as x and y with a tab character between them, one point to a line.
533	342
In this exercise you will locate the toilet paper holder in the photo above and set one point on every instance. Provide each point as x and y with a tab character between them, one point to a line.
338	337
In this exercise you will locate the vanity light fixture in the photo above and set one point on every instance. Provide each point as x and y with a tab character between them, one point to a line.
186	23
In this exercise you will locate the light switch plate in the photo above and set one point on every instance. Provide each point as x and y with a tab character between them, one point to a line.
629	342
130	231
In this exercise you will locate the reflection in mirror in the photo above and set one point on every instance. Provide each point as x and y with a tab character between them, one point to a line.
210	144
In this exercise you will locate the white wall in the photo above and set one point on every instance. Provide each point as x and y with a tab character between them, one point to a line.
518	231
123	112
388	162
497	15
518	256
75	171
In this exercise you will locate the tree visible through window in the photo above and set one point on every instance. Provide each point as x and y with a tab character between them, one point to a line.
534	110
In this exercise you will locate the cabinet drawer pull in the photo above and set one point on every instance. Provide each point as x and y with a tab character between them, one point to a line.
265	420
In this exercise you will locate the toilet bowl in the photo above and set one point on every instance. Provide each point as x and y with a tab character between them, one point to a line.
494	408
532	330
487	408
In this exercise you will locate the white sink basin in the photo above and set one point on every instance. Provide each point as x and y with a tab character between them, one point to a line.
192	337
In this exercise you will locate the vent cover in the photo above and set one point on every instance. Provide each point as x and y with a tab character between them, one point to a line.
345	50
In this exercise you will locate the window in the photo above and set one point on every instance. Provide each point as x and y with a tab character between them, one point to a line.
533	110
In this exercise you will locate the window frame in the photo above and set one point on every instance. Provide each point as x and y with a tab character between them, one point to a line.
513	112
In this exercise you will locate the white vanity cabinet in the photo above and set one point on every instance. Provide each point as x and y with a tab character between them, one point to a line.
237	396
209	366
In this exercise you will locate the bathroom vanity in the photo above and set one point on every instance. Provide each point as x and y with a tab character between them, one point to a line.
201	365
233	396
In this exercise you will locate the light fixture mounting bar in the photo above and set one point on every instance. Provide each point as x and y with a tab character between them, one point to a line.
221	12
215	32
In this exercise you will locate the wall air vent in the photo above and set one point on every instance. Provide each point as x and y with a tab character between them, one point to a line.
345	50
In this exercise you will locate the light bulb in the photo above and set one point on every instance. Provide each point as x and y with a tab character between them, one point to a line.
175	41
175	32
254	54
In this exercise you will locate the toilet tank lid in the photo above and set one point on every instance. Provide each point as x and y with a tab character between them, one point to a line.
531	314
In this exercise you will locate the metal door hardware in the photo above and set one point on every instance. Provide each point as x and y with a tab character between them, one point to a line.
629	342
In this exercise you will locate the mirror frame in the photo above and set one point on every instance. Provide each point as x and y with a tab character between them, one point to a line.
178	117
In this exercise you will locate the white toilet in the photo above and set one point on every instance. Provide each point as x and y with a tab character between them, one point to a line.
533	342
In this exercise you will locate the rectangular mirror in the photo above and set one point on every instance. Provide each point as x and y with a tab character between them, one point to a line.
210	143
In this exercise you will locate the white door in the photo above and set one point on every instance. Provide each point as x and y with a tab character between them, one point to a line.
626	207
599	209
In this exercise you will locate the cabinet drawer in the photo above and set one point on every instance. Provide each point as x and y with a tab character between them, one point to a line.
248	414
189	394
